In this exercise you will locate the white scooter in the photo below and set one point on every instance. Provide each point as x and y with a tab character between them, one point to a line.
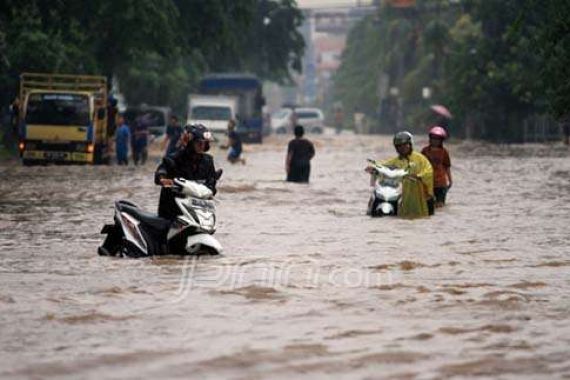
140	234
387	190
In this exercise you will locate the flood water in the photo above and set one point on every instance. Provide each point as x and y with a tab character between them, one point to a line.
308	285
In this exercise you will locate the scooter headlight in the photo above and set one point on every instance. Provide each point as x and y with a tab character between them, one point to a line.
387	208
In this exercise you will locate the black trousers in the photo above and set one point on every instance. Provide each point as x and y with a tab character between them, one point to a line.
167	207
431	206
299	172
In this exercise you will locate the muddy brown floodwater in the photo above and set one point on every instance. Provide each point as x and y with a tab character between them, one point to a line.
308	286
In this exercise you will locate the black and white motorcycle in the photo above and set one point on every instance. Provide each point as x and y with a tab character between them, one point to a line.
387	190
140	234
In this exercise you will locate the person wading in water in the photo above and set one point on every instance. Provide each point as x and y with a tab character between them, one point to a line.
300	152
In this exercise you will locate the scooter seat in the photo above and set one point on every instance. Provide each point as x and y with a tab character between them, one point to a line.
156	222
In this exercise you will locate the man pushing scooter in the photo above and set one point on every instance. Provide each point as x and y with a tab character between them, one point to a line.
417	192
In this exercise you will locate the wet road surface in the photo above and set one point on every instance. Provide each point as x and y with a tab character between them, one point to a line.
308	285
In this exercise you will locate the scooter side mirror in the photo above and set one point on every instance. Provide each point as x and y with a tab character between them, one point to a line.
176	189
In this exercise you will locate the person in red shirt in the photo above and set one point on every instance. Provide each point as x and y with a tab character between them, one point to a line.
439	159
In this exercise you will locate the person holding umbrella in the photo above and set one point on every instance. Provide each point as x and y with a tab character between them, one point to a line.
441	117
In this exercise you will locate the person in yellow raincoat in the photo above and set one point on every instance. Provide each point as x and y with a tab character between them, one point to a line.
417	191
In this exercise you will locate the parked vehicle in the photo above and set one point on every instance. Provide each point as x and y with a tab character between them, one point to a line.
213	111
311	118
249	91
159	117
136	233
63	119
281	121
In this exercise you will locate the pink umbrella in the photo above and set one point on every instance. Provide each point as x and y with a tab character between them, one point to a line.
441	110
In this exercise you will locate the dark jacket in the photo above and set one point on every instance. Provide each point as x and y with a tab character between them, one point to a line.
188	165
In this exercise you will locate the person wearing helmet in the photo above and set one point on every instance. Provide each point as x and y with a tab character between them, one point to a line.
189	162
417	191
438	156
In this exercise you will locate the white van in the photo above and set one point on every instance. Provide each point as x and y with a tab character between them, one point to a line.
213	111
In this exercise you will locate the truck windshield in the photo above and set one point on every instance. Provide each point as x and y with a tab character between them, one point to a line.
211	113
57	109
307	115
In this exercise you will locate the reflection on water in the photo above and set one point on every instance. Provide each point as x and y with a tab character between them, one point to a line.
308	286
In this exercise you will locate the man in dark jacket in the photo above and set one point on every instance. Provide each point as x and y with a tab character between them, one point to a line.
300	152
190	163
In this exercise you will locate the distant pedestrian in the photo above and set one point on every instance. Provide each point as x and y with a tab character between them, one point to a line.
293	119
11	121
122	138
234	144
173	133
566	130
140	139
338	120
15	117
359	121
300	152
112	115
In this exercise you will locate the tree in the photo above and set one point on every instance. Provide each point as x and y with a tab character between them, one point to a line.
273	46
479	57
554	47
496	74
157	49
36	39
356	80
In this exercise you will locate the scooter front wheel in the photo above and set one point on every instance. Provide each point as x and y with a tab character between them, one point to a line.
205	250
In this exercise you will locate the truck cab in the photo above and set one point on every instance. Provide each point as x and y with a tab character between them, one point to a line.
213	111
63	119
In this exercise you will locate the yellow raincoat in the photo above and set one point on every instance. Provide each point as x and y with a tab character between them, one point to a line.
414	193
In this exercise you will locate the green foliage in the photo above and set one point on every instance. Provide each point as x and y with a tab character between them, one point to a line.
554	43
272	44
493	62
153	79
156	48
357	78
